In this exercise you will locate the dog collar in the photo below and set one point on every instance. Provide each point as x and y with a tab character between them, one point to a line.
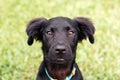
67	78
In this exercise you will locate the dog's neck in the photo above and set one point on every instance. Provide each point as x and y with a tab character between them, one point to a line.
59	71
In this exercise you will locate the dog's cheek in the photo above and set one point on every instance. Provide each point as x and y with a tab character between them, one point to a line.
74	41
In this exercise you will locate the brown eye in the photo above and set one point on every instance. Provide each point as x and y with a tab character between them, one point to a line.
49	33
70	32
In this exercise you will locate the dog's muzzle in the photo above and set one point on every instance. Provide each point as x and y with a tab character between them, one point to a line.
60	54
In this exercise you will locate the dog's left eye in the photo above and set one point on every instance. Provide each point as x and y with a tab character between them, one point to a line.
70	32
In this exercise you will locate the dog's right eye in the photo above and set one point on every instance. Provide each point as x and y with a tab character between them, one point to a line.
49	33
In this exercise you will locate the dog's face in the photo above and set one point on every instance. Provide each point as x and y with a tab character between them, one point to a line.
60	36
59	40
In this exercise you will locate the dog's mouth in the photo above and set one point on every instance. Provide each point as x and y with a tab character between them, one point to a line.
60	60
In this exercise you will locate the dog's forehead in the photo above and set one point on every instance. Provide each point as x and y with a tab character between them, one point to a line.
60	22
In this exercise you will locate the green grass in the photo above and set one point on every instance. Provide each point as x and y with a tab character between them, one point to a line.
100	61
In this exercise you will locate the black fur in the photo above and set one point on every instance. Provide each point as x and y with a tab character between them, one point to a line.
59	37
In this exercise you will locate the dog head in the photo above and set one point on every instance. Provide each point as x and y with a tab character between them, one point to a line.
59	36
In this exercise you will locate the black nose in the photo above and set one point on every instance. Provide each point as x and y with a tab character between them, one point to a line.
60	49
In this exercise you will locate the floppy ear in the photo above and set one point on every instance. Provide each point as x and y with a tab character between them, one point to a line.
34	30
86	28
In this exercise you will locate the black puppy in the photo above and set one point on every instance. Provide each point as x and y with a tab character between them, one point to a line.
59	37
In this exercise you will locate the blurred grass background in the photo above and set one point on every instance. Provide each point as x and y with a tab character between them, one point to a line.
100	61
